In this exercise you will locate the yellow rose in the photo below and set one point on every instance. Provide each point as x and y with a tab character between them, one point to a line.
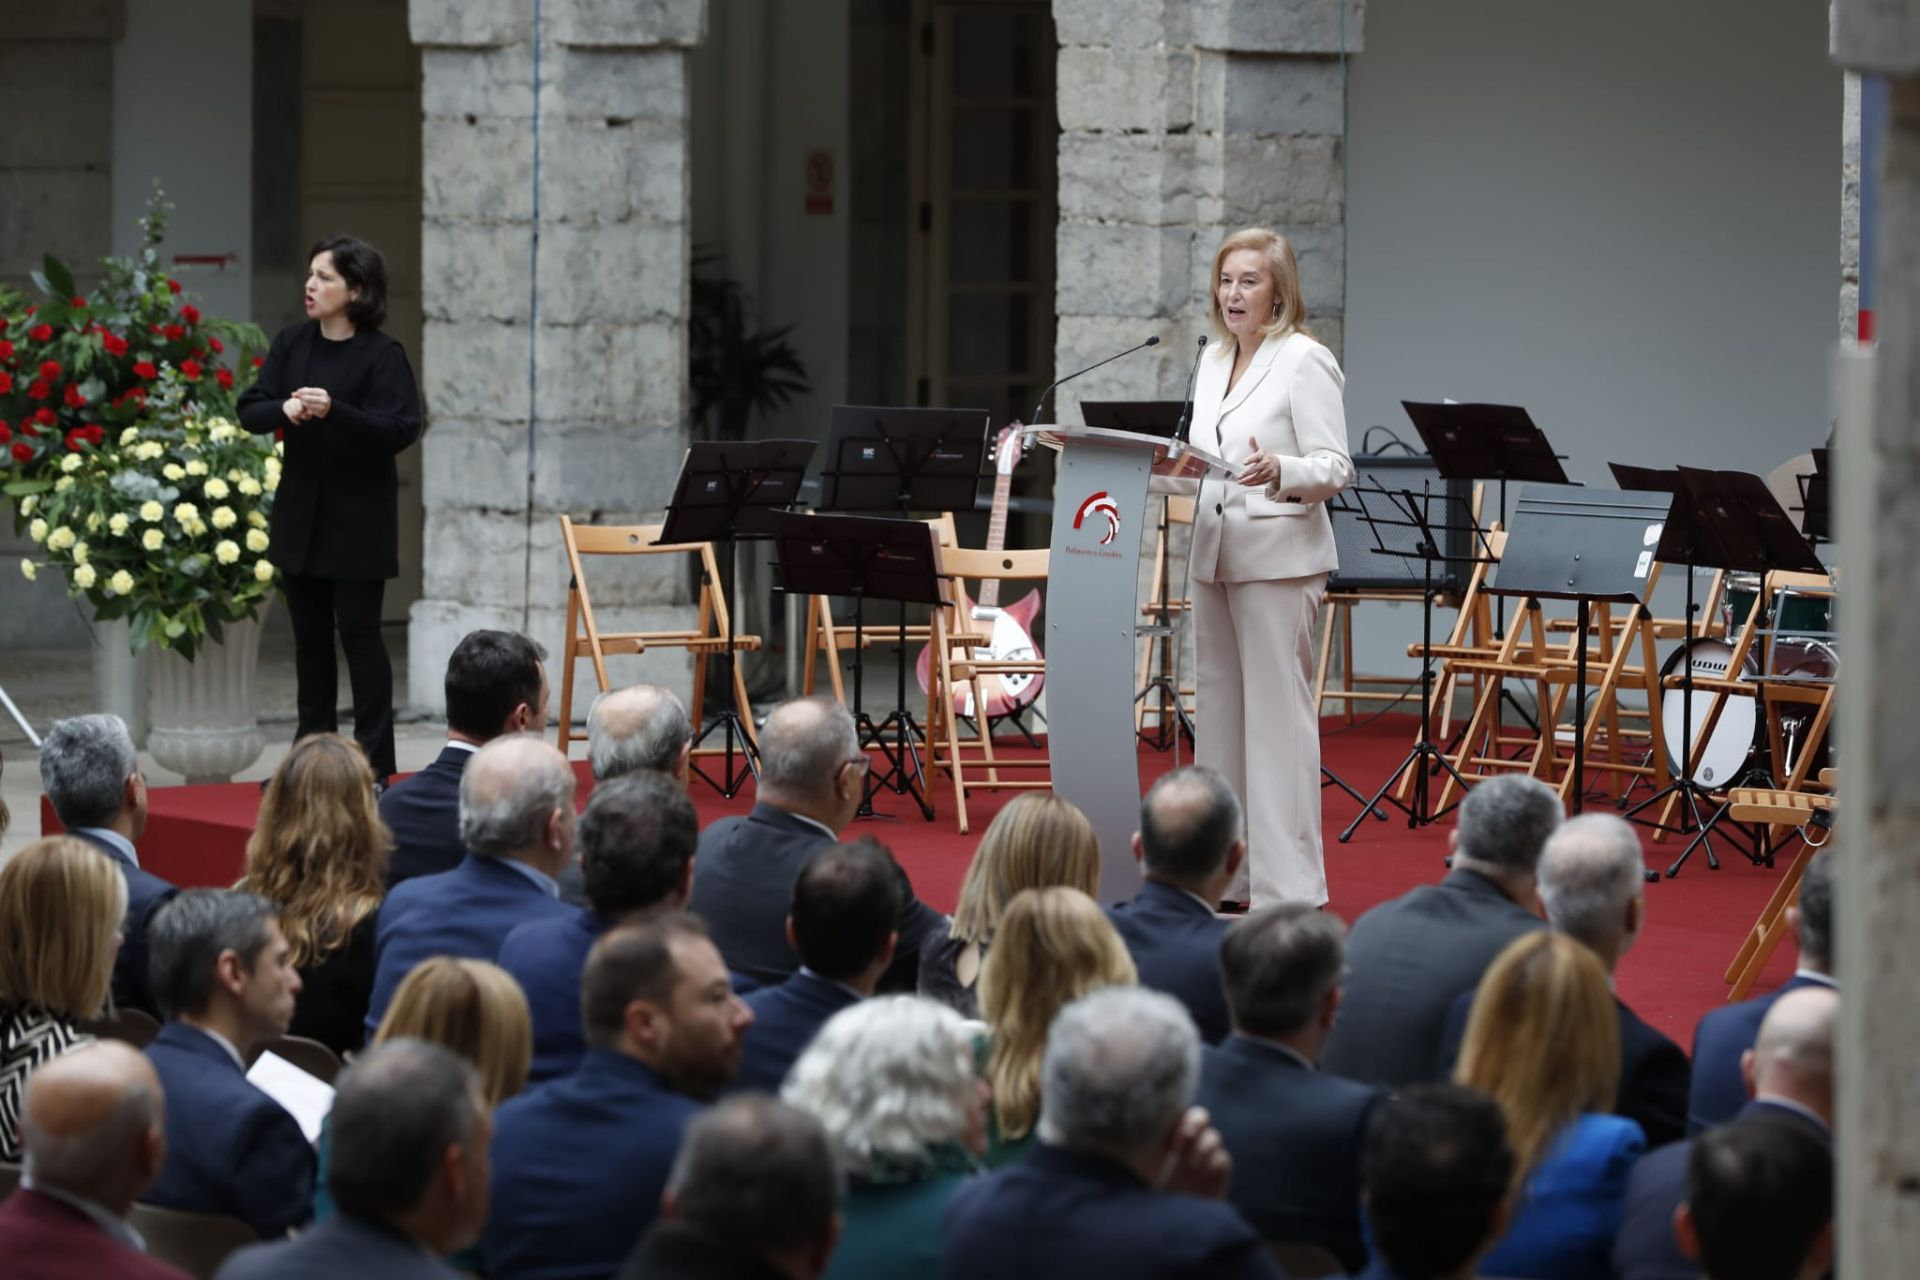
257	520
118	525
186	513
236	475
273	481
153	539
196	468
249	486
63	484
80	552
129	435
121	583
28	571
174	471
217	488
84	576
70	463
223	518
256	541
152	512
279	448
60	539
197	528
94	522
148	450
27	504
226	551
37	530
262	571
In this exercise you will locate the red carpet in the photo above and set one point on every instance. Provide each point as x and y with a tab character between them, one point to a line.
197	835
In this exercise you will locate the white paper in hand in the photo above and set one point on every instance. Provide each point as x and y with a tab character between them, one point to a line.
307	1098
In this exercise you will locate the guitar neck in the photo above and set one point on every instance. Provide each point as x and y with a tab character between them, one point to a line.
996	536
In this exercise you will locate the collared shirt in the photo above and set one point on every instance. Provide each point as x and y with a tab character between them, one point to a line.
548	885
467	747
223	1042
815	823
855	992
113	838
1213	908
1287	1051
1814	975
116	1227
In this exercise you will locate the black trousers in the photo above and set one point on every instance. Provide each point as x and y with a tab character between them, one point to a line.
316	605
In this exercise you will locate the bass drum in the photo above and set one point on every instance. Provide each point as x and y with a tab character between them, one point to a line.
1737	734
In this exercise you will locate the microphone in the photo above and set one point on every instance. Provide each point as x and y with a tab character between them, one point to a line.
1042	402
1186	409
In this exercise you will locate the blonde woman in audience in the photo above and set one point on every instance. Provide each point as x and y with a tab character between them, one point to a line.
1543	1041
1052	947
61	901
1039	840
319	853
894	1083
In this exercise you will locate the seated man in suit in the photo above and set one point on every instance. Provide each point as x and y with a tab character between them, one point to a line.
845	904
1128	1179
1759	1202
1593	884
636	841
517	822
1437	1173
1724	1034
1409	958
407	1169
1190	844
1295	1133
93	1133
754	1194
224	974
91	774
579	1163
496	684
1789	1074
812	773
642	726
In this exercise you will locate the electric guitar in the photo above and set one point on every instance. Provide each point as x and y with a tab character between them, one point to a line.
1009	629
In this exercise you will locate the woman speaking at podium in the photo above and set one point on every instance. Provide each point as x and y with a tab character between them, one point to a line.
1267	397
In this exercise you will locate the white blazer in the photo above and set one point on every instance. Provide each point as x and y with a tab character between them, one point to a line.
1290	399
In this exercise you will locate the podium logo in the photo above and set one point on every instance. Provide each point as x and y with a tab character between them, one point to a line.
1103	506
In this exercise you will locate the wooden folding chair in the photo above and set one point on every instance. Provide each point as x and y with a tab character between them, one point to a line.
312	1057
1156	651
1773	810
707	637
829	639
197	1243
1336	625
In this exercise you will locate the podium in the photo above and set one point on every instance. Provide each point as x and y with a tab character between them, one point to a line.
1093	598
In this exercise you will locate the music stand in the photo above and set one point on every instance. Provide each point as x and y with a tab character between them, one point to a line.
728	490
1148	417
862	557
1816	501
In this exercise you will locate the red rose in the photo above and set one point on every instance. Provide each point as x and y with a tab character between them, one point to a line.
6	383
114	344
216	344
73	397
6	433
78	302
23	452
6	349
154	328
41	333
75	439
174	332
190	313
174	285
225	378
145	369
258	361
190	370
49	370
45	417
38	390
96	434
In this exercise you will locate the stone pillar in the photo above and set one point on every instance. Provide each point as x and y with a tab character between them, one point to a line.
555	244
1850	208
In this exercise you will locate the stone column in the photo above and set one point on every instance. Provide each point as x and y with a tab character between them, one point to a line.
555	246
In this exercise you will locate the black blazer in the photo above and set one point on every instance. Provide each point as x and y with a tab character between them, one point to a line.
1295	1135
146	893
334	990
1406	961
336	514
423	812
1175	942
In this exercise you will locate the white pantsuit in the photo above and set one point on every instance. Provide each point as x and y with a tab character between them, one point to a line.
1259	571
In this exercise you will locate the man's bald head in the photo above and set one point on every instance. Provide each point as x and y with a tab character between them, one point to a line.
516	801
94	1124
642	726
1190	821
1792	1057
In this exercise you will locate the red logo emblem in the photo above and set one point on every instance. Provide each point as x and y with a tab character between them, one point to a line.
1100	504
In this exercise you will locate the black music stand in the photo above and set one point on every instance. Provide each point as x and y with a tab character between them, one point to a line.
729	490
1147	417
1572	543
1816	498
863	557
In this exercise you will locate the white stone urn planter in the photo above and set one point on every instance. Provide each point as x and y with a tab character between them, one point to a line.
204	722
120	676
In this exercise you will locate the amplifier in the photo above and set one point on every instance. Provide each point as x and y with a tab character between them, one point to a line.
1363	565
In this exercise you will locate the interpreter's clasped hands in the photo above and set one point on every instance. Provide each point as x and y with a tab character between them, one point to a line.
307	403
1260	469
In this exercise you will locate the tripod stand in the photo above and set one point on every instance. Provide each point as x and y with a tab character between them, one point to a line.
1168	708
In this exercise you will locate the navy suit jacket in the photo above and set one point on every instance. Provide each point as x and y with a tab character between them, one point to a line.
230	1148
1721	1037
146	892
1175	942
423	812
578	1167
339	1246
1066	1215
785	1020
468	911
546	957
1295	1135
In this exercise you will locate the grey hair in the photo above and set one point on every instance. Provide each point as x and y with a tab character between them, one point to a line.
1277	965
1120	1069
1505	821
494	826
87	1162
805	743
756	1170
400	1105
663	733
890	1079
191	931
85	762
1591	868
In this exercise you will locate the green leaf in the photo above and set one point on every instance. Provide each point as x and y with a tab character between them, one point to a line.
57	273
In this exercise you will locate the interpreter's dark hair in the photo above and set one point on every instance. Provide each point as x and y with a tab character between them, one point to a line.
636	836
489	674
846	901
1759	1191
187	936
631	962
1188	821
1277	965
1436	1167
364	268
400	1105
757	1171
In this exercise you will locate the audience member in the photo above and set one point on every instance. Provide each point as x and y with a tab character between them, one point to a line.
1544	1043
893	1080
496	685
91	775
1409	958
1191	842
61	904
1437	1174
94	1140
641	728
1723	1035
410	1130
1037	841
1128	1179
845	903
1294	1131
751	1197
580	1162
517	821
1789	1072
319	854
812	773
1053	946
1593	884
636	841
224	974
1759	1202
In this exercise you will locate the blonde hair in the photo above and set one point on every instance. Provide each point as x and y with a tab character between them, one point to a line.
1038	841
472	1007
319	849
1052	947
1290	308
1543	1041
61	904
